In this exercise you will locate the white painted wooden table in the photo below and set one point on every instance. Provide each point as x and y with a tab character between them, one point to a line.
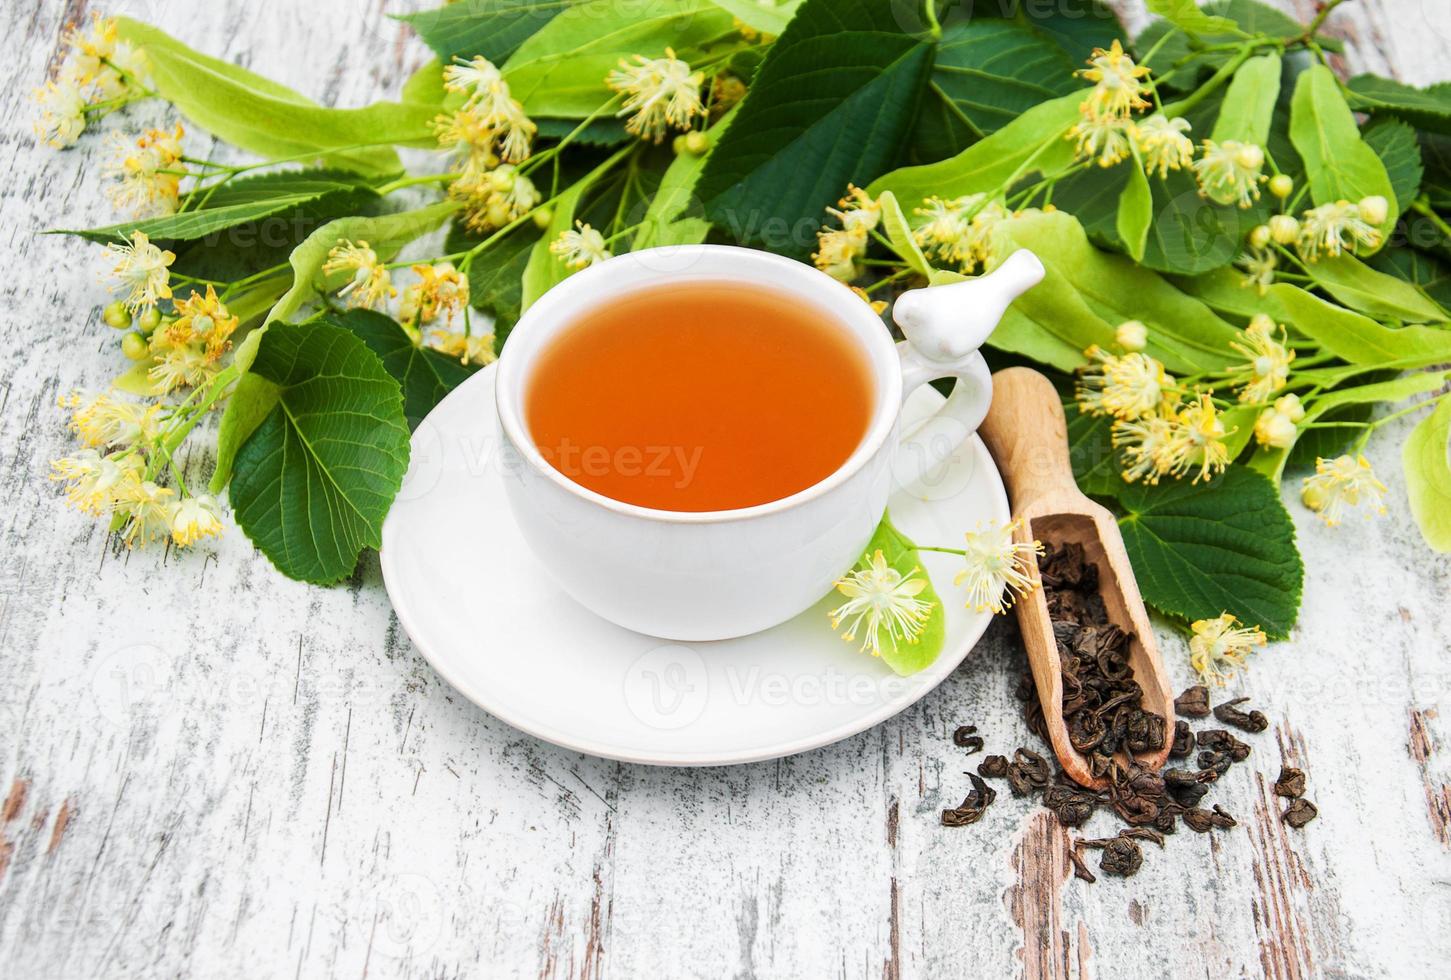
209	770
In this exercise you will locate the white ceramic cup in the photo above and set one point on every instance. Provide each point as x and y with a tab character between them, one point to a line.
712	575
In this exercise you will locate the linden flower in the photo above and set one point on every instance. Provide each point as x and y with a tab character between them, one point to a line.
1125	387
1144	442
1269	360
999	567
497	124
1259	268
194	518
661	93
959	231
580	247
141	270
1117	90
857	210
89	49
1195	442
1342	483
496	198
469	348
478	79
61	113
1229	172
149	508
837	252
102	422
188	350
1218	647
1331	228
1105	138
1289	406
370	283
96	480
144	187
1162	143
880	599
440	290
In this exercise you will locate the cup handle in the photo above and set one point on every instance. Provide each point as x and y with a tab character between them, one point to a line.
945	326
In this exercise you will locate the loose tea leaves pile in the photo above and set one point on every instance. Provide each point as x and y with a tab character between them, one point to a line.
1108	724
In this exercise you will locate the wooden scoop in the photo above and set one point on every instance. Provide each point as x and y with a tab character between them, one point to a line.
1028	436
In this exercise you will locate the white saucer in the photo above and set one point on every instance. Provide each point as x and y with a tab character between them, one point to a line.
484	613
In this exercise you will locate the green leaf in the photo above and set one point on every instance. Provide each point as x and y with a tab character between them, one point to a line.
1339	164
902	555
243	108
1194	56
1087	293
235	203
1077	26
561	69
1359	339
1226	545
987	73
492	28
899	233
675	198
1395	143
1249	102
830	106
768	17
1373	293
605	131
425	86
316	478
1428	108
386	234
1186	15
1414	266
1428	475
1034	142
1191	235
1135	210
1090	449
496	274
425	376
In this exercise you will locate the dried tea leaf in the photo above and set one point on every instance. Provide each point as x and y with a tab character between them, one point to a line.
1299	813
1291	783
1193	703
1251	721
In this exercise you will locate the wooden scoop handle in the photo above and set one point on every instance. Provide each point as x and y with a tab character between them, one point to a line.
1028	435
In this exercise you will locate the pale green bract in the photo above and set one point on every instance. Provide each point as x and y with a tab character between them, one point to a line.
1428	475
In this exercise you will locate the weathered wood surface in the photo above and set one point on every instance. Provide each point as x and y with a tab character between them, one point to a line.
208	770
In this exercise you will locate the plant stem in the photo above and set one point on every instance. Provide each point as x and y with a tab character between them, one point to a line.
1224	74
403	182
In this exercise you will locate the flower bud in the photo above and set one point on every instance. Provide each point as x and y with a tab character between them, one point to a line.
1282	185
1260	236
116	315
1313	496
149	320
543	218
1284	229
134	346
1289	406
1374	209
1250	157
1261	323
1274	430
678	144
1132	335
697	142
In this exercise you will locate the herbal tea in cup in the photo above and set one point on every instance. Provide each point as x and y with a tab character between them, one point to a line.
700	396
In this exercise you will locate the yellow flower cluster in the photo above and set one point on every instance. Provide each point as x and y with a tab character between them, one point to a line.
1341	484
1000	568
839	251
660	94
1329	229
1107	132
98	72
1268	367
1158	432
118	484
147	182
491	125
881	603
959	232
370	283
495	198
188	350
